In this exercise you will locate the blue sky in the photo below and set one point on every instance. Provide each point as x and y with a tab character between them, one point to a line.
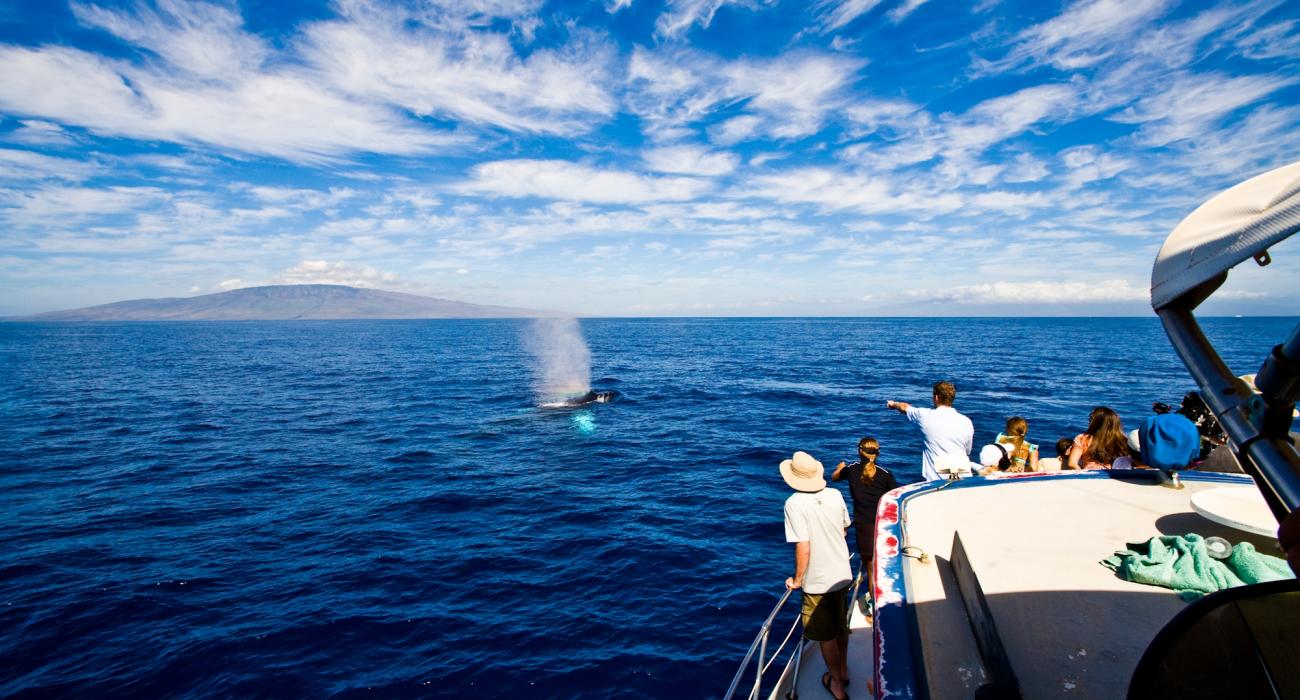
637	157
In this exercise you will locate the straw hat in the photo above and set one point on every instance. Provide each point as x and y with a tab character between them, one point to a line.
803	473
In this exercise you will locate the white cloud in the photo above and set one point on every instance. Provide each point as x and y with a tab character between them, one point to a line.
1086	33
1264	139
721	211
1026	168
1086	164
913	136
1040	292
789	96
833	190
1191	104
888	116
299	198
40	133
680	15
834	14
174	163
690	160
905	8
277	114
1003	117
226	285
556	179
1013	203
1278	39
735	130
473	76
205	40
338	272
28	165
51	204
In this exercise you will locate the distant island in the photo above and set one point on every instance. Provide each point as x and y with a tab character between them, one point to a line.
287	302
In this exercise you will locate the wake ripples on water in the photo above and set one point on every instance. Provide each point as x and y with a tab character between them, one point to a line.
375	508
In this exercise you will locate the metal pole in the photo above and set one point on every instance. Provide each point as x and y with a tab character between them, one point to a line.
798	659
758	672
761	636
1271	459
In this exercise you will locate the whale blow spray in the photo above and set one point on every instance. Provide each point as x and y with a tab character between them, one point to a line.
563	360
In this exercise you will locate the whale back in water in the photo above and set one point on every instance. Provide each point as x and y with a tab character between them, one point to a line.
593	396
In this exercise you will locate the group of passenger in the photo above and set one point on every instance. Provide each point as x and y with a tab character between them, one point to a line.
817	518
948	437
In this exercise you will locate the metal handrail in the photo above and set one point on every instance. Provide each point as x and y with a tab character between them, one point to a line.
760	641
759	644
794	624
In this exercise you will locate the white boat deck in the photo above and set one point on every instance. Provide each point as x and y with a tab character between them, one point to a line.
1070	626
861	663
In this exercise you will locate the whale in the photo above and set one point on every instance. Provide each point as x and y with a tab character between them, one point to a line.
593	396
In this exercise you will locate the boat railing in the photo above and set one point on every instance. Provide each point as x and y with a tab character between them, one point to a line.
759	646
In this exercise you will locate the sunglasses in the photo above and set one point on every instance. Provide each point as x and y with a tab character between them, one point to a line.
869	451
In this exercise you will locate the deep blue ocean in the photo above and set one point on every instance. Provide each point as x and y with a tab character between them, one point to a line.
377	509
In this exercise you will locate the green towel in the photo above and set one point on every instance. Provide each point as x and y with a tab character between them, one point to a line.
1183	564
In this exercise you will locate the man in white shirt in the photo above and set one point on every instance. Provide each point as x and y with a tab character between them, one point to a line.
946	432
816	521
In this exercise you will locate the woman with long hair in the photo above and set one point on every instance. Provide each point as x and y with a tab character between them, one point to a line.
1101	444
1022	453
867	483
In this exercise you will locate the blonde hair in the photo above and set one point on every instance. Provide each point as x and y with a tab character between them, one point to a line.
867	459
1017	429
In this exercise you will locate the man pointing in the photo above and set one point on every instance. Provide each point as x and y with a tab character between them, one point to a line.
947	433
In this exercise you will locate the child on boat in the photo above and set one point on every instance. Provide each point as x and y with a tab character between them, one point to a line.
1022	453
1057	463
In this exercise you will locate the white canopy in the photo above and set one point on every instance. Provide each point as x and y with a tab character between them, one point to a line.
1233	226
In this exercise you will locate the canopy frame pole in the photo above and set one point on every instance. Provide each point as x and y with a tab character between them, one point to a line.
1268	456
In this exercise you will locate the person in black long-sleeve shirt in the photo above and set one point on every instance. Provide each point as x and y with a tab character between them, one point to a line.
867	483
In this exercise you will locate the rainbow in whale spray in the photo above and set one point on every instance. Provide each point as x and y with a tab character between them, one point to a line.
562	368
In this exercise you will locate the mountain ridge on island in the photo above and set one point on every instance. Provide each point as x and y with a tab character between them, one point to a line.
288	302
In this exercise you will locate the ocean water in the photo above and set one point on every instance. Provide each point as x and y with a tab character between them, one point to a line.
377	509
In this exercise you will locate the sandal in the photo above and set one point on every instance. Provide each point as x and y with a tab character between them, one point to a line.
826	683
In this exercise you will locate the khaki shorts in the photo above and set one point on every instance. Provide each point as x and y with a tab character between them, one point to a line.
825	615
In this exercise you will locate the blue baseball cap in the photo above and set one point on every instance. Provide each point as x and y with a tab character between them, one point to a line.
1169	441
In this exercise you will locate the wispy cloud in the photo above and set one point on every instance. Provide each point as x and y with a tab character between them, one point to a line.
789	96
834	14
562	180
28	165
469	74
690	160
1039	292
681	15
1191	105
1086	33
275	114
337	272
834	190
905	8
25	207
36	132
204	40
